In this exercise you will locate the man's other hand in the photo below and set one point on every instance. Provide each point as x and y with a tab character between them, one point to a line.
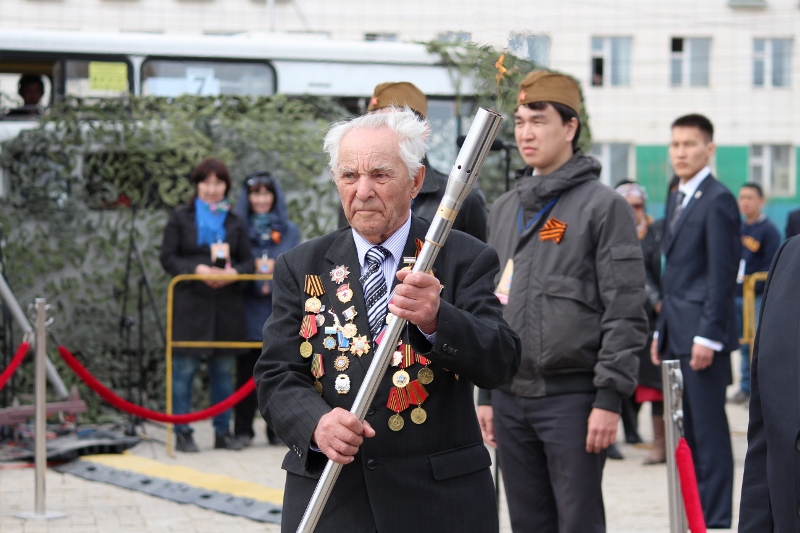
486	420
602	430
655	357
416	298
702	357
339	434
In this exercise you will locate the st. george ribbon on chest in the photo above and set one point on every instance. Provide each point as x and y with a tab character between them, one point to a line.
462	178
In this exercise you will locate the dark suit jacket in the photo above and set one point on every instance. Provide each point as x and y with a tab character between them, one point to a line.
699	281
793	223
202	313
771	483
429	477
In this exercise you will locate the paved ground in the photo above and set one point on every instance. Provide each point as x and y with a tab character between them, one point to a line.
635	495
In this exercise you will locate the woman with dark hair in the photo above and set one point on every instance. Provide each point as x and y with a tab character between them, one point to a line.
203	237
262	205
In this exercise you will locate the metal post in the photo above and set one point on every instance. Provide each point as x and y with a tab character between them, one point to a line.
13	305
40	418
672	379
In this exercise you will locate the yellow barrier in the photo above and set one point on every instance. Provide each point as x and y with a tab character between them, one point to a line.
749	311
198	344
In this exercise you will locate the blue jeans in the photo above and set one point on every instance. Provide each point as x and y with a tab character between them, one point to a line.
220	372
744	349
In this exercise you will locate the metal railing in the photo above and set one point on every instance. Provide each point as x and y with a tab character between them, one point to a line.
672	379
198	344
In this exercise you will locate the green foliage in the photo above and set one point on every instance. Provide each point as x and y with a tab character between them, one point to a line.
67	228
493	77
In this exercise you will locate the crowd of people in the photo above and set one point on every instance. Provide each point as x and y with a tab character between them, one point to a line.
600	294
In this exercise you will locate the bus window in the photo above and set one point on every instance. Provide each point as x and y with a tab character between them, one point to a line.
99	79
170	77
17	95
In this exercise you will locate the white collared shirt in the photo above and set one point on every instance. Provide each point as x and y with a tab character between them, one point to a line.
395	244
690	187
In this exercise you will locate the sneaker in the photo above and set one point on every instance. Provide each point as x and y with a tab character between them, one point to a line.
740	397
227	441
612	452
184	442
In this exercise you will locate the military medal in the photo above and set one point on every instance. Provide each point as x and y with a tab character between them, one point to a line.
398	401
397	358
401	378
313	305
317	370
314	288
329	343
425	375
344	342
344	293
307	330
341	363
342	384
349	313
418	415
350	330
408	356
305	349
339	274
320	319
360	345
417	394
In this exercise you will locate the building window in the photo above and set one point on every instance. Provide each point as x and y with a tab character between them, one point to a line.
611	61
772	62
616	161
690	62
771	167
380	36
535	48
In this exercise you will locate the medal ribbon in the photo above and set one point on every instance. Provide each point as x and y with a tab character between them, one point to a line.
421	360
408	357
309	327
416	392
317	370
419	244
398	399
314	286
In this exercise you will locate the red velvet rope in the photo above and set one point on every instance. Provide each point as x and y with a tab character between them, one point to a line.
691	496
15	362
141	412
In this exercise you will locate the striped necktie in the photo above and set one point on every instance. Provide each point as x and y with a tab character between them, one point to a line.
676	211
375	291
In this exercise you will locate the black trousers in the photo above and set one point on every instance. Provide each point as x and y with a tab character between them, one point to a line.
245	411
705	426
553	485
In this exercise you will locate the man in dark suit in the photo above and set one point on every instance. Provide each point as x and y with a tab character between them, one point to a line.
770	493
697	324
425	472
793	223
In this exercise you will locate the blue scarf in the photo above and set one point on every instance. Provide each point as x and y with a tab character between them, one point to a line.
210	221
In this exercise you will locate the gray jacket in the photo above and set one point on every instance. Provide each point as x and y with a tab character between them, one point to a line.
577	305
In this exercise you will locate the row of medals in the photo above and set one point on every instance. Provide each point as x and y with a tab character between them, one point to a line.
349	340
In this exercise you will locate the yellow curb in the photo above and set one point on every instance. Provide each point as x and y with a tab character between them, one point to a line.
188	476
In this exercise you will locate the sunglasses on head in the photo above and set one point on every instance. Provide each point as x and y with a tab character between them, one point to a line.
258	178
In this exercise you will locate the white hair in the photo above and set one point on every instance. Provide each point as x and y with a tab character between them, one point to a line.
411	131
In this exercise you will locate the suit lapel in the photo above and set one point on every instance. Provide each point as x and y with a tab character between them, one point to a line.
696	198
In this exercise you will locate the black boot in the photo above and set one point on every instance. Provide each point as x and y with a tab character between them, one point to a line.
184	442
226	441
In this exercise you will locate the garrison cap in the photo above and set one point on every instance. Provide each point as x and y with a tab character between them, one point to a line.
400	94
544	86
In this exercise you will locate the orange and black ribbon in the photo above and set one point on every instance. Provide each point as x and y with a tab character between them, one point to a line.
398	399
419	244
553	230
317	370
416	392
313	286
408	357
421	359
309	327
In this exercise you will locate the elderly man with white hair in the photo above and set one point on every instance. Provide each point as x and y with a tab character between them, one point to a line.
416	463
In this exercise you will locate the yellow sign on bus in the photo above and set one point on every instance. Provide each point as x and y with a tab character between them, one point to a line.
105	76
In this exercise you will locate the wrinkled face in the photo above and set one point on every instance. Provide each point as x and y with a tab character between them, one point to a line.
261	200
750	203
543	140
689	151
211	189
638	207
373	183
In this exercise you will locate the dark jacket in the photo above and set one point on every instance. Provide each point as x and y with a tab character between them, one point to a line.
471	218
443	461
771	481
793	223
577	305
257	306
650	374
201	313
699	281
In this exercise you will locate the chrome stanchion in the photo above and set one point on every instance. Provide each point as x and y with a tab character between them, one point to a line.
672	378
40	419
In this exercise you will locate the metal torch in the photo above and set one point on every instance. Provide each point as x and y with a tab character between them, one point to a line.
462	177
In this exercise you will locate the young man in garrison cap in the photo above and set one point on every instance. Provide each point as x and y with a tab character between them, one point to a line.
473	213
577	302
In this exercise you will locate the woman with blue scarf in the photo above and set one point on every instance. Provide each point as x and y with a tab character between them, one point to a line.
262	205
204	237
